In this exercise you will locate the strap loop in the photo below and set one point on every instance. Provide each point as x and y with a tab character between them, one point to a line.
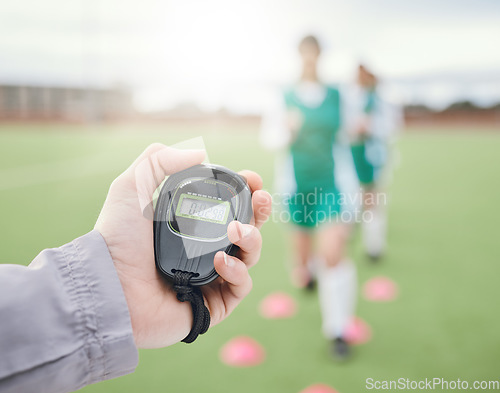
187	293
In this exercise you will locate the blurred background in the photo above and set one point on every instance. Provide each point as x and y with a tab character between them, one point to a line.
161	60
85	86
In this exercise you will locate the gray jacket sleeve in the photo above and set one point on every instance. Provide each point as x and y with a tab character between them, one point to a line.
64	321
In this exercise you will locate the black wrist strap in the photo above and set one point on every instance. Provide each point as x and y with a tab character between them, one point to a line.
187	293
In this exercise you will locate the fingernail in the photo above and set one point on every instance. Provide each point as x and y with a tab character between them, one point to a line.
229	262
242	230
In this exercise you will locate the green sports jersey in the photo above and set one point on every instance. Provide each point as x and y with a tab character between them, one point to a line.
365	170
368	166
312	149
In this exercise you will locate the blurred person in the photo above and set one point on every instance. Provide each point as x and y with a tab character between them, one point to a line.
374	124
77	314
306	122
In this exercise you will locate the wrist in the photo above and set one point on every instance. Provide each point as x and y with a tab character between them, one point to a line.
158	318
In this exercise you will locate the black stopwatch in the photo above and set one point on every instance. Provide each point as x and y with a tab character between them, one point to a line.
193	211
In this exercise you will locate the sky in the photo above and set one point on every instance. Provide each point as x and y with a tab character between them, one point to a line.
227	53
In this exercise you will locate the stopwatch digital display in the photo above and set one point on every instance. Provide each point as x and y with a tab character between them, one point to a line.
202	208
193	211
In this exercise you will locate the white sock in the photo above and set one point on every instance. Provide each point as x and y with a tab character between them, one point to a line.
313	266
337	289
374	232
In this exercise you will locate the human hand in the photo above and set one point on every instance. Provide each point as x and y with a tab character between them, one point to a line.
362	128
125	222
294	121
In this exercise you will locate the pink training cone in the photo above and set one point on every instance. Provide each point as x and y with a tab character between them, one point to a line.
358	332
278	305
380	289
319	388
242	352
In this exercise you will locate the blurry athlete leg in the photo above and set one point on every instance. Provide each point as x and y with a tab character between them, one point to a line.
337	281
374	224
302	242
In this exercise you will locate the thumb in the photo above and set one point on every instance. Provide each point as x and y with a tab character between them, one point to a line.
154	164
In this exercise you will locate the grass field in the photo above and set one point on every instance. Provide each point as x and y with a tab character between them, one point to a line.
443	253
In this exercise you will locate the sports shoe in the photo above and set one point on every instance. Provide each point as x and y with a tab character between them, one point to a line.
340	349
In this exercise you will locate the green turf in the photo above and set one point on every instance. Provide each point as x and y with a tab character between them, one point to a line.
443	252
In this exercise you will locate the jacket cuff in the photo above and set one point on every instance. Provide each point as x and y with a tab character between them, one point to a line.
111	348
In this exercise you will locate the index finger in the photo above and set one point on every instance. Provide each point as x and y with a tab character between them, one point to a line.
253	179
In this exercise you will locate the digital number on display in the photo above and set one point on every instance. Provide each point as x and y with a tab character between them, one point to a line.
204	209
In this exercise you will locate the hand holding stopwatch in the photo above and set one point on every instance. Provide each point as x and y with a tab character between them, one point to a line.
194	209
